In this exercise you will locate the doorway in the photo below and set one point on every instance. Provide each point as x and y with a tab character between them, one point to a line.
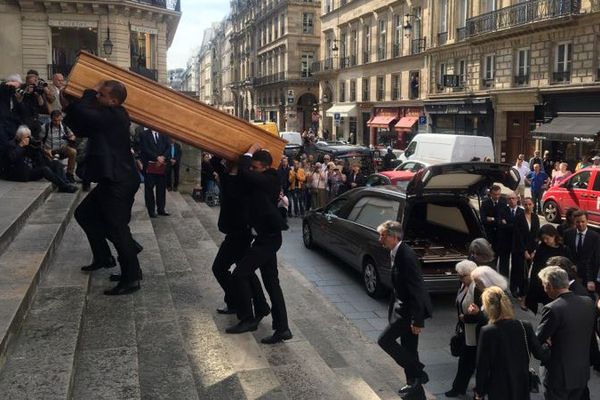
520	124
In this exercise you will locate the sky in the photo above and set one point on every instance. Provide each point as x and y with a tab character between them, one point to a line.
196	16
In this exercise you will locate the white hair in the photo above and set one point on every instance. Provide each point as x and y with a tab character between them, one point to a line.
14	78
489	277
22	131
465	267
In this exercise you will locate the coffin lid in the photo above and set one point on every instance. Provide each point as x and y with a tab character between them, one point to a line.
470	178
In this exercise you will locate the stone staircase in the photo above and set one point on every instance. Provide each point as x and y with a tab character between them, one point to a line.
63	339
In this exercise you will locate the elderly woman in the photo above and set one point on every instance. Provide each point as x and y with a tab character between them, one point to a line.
503	351
27	163
481	252
485	277
470	321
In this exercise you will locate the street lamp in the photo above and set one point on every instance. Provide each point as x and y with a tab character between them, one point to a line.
407	25
107	45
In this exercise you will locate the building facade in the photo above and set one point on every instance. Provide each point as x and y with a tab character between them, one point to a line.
274	43
372	70
47	35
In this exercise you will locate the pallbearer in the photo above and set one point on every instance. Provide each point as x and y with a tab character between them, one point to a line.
106	211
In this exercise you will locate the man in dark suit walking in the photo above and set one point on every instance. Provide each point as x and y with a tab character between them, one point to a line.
262	187
106	210
567	324
173	165
506	227
155	154
491	210
408	309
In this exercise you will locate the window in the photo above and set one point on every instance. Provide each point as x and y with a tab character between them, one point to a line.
562	62
342	86
366	43
354	44
328	7
366	90
396	87
372	211
380	88
143	50
580	181
415	84
489	69
335	207
353	90
307	22
282	24
443	17
486	6
306	64
381	40
343	52
276	26
522	67
462	13
397	46
442	72
462	72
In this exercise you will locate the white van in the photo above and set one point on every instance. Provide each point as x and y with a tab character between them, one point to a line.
438	148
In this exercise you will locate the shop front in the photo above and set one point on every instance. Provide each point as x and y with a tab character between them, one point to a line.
462	116
394	127
344	120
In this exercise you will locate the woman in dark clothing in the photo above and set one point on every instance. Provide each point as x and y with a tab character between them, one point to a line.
527	226
207	175
27	163
550	245
569	223
503	351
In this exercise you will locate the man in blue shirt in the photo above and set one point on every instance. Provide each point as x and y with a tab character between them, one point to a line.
538	180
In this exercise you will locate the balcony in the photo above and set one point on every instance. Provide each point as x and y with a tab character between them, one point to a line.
417	46
461	34
269	79
521	14
442	38
522	80
172	5
561	77
147	72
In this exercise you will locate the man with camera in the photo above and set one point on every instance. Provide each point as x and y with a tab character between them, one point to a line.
31	96
59	142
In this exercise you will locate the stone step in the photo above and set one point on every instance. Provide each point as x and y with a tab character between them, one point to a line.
325	347
40	363
24	260
17	201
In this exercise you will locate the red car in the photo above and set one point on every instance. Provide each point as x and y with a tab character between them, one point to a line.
402	173
580	190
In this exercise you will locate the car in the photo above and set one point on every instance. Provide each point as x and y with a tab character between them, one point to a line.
580	190
436	212
349	154
403	172
293	148
378	154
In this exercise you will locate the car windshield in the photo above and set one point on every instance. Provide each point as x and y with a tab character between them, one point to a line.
292	137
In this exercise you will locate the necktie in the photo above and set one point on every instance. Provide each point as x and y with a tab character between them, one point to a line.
580	243
155	137
513	212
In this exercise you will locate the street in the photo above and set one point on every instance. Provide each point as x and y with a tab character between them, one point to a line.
343	287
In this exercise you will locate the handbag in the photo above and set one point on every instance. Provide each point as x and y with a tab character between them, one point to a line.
534	379
457	341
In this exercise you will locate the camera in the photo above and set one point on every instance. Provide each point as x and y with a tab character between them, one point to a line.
39	88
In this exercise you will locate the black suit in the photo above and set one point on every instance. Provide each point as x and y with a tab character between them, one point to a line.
150	149
262	192
106	210
490	210
410	305
173	169
569	322
359	179
588	258
233	223
525	238
506	229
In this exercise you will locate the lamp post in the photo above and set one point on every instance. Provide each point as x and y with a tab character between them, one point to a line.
107	45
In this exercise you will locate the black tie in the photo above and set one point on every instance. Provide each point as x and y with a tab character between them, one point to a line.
580	242
513	212
155	137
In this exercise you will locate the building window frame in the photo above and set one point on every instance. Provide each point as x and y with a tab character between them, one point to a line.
563	59
397	45
523	65
366	43
396	86
489	70
366	89
381	39
380	82
308	27
342	91
353	90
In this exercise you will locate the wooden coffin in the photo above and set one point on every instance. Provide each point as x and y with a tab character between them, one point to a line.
155	106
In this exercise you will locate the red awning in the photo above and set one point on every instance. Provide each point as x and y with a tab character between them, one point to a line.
406	123
381	121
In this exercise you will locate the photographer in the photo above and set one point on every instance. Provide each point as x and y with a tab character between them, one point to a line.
28	163
59	141
10	109
32	100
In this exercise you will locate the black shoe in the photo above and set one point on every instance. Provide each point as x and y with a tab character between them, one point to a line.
261	314
453	393
123	288
152	215
226	310
277	336
424	377
138	247
110	263
243	326
164	213
85	186
411	388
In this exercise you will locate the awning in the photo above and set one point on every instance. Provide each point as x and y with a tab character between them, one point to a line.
569	128
406	123
345	110
382	121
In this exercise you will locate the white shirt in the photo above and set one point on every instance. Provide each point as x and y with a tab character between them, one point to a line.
523	171
582	237
394	251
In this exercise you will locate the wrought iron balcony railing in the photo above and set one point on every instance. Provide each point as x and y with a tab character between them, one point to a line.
173	5
522	80
147	72
442	38
520	14
487	83
268	79
561	77
461	34
418	46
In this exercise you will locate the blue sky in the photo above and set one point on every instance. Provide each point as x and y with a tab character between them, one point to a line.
197	15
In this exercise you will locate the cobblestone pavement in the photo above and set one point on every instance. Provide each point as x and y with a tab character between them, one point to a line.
343	287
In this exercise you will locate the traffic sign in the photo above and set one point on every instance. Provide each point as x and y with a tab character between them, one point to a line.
422	120
337	116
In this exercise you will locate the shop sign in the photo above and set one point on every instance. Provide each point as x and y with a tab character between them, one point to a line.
144	29
422	120
59	23
586	139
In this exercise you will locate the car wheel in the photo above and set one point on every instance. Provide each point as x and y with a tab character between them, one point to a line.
371	280
551	212
307	236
